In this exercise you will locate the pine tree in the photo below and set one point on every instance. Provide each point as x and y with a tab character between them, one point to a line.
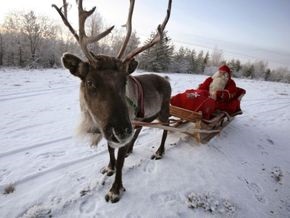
200	62
205	61
158	57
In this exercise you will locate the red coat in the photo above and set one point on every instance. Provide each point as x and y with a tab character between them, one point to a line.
195	100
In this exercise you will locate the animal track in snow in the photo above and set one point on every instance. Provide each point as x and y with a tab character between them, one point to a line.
277	174
165	197
88	205
257	191
149	166
210	203
51	154
4	173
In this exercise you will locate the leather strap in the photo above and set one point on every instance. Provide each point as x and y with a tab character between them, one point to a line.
140	111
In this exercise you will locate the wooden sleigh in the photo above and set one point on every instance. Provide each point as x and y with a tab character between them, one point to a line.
193	124
203	130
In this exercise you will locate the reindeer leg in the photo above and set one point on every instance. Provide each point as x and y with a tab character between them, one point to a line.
163	117
110	169
131	143
160	151
117	188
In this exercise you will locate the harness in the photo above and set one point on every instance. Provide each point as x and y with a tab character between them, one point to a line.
139	108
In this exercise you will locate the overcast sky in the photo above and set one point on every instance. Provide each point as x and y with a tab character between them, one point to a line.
243	29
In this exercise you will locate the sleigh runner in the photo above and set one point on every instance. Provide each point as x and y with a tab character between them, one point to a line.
202	130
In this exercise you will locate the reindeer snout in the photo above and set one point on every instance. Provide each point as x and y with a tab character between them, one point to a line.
123	134
118	135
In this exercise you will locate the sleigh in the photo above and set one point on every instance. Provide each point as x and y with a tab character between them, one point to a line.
202	130
193	123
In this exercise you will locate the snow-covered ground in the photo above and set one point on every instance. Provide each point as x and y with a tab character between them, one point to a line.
243	172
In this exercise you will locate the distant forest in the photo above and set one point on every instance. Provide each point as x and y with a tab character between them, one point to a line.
31	41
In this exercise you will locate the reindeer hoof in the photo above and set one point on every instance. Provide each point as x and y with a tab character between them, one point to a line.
156	156
114	197
107	170
128	153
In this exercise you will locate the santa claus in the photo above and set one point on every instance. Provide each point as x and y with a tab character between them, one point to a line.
223	89
218	92
220	85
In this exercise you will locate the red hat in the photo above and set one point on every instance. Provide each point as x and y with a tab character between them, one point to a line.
225	68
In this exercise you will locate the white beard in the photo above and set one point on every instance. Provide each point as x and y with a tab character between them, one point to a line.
219	82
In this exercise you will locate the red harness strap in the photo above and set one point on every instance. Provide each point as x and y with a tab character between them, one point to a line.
140	111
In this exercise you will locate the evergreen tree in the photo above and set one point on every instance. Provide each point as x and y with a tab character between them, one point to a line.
205	61
158	57
179	63
267	74
248	70
200	63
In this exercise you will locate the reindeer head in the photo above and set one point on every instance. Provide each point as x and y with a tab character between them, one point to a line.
103	78
103	89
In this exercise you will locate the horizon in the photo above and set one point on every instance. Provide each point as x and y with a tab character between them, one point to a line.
249	31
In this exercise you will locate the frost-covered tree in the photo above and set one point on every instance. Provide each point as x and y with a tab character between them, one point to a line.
235	66
248	70
36	29
205	61
94	26
267	74
281	74
117	40
180	62
216	57
24	35
14	45
158	57
260	68
200	63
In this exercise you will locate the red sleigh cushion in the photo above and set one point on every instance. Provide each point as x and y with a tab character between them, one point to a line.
195	100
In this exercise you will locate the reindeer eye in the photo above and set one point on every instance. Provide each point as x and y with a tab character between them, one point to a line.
90	84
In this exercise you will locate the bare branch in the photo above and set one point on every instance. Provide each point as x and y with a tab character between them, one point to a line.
156	38
81	37
65	21
65	8
129	29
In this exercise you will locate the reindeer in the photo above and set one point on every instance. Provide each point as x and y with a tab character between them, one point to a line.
110	96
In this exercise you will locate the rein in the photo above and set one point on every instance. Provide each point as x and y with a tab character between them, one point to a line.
139	109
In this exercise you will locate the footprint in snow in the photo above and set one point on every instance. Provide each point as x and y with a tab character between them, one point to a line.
257	191
165	198
88	205
149	166
4	173
50	154
271	141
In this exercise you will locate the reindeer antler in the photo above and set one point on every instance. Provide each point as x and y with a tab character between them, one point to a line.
155	40
82	38
129	29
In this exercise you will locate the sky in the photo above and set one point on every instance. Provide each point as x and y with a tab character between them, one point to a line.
249	30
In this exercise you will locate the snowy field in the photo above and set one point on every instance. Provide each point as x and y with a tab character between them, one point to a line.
243	172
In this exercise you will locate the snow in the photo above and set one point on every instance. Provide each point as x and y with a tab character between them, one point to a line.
243	172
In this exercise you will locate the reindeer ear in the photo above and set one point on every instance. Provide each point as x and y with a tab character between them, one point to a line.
131	66
75	65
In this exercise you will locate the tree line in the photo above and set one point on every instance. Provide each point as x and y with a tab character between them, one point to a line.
31	41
